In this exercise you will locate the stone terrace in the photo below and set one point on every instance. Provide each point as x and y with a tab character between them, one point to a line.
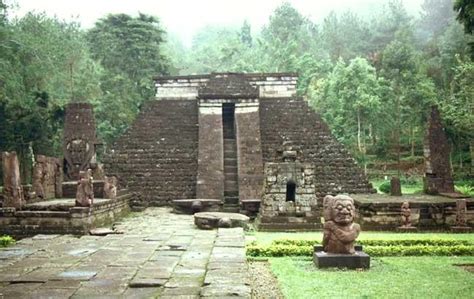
159	255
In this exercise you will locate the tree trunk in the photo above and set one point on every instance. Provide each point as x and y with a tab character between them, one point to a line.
359	146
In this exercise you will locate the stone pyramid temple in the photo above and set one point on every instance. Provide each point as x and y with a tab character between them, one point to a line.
236	138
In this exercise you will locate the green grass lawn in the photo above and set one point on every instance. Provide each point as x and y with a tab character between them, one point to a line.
388	277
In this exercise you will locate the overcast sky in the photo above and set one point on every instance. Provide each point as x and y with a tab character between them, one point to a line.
184	18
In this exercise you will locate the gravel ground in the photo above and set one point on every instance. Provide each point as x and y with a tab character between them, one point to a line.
263	282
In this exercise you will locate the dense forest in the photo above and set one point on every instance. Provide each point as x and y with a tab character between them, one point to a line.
372	79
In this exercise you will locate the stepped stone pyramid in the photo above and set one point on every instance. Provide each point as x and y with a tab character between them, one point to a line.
212	137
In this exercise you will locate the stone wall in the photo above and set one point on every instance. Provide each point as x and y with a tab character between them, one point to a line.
249	152
270	85
210	177
47	177
292	120
158	154
74	220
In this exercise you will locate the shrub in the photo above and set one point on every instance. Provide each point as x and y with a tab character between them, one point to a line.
465	189
375	242
6	241
279	250
385	187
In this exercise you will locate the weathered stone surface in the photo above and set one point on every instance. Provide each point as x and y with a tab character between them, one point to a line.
406	214
358	260
12	190
395	186
110	187
209	220
47	177
79	141
436	151
340	232
85	190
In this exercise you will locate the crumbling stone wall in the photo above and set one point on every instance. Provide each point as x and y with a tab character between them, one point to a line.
291	119
158	154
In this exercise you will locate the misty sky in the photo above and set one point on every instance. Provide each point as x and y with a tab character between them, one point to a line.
184	18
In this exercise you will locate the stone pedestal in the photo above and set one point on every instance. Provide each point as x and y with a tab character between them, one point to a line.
358	260
395	187
461	229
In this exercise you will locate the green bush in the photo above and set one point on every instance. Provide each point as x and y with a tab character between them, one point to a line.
279	250
6	241
465	189
385	187
375	242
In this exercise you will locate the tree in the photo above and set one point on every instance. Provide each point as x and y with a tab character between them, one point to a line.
129	51
465	15
349	100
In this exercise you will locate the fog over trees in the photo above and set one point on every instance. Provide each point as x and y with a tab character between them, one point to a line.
373	79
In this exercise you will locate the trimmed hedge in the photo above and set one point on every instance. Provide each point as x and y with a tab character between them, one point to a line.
375	242
277	250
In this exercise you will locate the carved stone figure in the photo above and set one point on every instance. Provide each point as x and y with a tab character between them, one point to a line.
406	214
461	209
340	231
38	180
85	191
12	190
110	187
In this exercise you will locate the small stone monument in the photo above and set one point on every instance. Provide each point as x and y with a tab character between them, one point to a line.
395	186
340	233
47	177
12	190
110	187
461	210
436	151
405	213
85	191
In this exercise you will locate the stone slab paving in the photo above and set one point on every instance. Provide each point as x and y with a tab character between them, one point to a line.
159	255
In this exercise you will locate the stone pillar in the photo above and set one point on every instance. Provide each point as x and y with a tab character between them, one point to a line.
79	141
210	176
47	177
12	190
438	178
395	187
249	151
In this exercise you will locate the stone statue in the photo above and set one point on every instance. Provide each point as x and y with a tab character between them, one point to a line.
12	189
38	180
406	214
340	231
85	191
110	187
461	208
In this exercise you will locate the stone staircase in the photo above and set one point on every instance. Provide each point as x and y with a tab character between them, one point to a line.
231	185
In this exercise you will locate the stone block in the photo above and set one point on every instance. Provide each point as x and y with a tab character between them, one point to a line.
359	260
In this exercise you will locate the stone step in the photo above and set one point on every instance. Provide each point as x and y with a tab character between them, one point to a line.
230	169
231	186
231	209
231	177
231	193
230	162
231	200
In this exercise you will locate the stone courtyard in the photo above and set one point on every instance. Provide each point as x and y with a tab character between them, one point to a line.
157	254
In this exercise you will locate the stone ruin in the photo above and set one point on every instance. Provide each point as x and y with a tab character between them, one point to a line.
47	177
79	141
436	151
219	137
12	189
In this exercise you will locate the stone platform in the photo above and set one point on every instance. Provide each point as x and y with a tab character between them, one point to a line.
428	212
210	220
159	254
61	216
358	260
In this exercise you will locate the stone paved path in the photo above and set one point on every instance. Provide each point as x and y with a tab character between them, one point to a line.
160	255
